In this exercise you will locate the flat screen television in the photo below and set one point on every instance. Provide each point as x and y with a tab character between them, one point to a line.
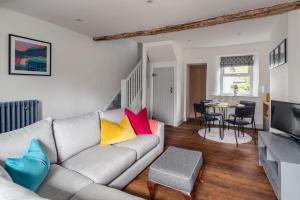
285	117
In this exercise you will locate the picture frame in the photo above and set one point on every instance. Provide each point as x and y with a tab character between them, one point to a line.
278	56
272	60
282	52
29	56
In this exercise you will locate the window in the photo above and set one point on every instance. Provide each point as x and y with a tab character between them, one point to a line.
236	71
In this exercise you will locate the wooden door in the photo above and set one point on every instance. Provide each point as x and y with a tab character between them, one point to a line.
197	85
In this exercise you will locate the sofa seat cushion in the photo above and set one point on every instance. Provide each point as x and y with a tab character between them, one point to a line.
142	144
101	192
11	191
62	183
102	164
14	143
76	134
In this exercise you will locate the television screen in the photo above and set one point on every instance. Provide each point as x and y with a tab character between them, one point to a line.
286	117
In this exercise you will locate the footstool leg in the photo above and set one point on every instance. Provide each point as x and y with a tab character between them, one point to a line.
188	197
150	186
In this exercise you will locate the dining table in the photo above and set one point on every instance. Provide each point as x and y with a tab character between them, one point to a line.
223	109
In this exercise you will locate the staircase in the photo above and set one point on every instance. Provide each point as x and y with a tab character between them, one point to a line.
131	89
130	95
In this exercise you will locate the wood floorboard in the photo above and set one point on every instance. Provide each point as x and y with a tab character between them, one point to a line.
230	173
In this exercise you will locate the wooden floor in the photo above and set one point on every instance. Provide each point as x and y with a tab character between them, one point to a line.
230	173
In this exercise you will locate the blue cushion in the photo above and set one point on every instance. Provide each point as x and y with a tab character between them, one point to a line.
30	170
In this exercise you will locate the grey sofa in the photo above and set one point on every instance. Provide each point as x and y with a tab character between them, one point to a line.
80	168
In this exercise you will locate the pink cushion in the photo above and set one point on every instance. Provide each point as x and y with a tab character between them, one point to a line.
153	125
139	122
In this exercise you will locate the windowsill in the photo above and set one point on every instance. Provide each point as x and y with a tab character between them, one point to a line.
239	95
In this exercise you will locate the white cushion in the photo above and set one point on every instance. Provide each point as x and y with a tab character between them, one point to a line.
11	191
101	164
13	144
62	183
100	192
112	115
76	134
142	144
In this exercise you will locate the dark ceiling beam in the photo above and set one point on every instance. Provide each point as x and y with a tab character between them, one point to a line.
244	15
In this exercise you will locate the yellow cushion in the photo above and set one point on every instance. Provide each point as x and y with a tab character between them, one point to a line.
112	133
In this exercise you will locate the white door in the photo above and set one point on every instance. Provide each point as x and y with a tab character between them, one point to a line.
163	94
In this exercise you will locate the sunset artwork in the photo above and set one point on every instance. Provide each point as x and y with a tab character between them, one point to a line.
29	57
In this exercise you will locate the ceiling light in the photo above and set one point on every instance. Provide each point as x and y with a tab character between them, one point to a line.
149	1
78	20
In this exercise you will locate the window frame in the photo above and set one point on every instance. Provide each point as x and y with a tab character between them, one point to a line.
250	74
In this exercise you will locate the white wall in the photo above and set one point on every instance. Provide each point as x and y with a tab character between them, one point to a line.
85	74
279	75
210	56
285	78
294	56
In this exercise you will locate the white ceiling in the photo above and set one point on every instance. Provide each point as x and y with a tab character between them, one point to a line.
102	17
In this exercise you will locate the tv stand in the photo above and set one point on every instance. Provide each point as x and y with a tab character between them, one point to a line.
280	158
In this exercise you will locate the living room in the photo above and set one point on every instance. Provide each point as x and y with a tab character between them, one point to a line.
149	99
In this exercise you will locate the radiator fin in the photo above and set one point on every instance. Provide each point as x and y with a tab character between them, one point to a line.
18	114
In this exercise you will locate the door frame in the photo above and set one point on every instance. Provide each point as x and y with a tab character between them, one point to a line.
187	87
163	65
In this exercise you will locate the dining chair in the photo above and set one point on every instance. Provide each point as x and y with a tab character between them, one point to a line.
206	118
239	120
253	104
213	113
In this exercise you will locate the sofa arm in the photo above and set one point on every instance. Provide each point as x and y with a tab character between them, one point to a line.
160	132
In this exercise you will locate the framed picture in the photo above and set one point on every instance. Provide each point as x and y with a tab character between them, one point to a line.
279	55
272	60
276	52
29	57
282	52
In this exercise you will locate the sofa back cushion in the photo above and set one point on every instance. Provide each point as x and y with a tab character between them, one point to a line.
114	116
76	134
13	144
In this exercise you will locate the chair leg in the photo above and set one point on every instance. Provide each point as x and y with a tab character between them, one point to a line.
243	131
205	130
220	130
208	126
238	127
236	141
254	134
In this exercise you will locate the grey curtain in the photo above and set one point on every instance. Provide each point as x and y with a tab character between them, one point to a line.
233	61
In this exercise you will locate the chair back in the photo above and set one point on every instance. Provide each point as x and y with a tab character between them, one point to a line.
199	108
245	112
206	101
248	103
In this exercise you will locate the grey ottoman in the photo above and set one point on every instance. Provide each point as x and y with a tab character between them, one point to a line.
176	168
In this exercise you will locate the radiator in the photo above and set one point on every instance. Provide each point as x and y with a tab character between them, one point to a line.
17	114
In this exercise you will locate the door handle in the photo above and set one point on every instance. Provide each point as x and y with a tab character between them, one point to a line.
171	90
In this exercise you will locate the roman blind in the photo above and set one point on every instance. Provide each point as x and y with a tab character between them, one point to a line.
233	61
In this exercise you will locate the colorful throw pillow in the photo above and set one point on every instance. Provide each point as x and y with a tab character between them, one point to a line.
30	170
112	133
153	125
139	121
